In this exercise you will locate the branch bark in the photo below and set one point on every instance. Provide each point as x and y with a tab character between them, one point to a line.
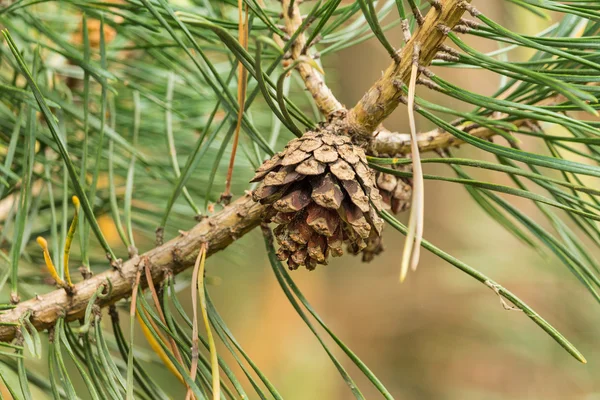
398	144
217	231
315	84
385	95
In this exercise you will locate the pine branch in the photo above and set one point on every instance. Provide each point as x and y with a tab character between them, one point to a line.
173	257
398	143
315	84
243	215
385	94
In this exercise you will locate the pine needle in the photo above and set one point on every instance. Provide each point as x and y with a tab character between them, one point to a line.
171	341
132	312
48	260
241	97
195	340
157	348
412	246
68	285
69	240
199	293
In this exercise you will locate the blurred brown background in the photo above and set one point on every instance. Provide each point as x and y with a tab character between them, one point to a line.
441	334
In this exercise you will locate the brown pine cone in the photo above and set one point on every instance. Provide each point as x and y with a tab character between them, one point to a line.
396	195
396	192
319	188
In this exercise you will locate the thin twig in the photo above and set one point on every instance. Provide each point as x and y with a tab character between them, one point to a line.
174	256
399	143
313	80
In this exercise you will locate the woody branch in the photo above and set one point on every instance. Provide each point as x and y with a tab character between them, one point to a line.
237	219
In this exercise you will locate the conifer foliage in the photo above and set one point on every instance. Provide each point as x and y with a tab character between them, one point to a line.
129	114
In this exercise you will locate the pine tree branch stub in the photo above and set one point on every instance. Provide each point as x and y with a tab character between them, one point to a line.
384	96
175	256
313	80
397	144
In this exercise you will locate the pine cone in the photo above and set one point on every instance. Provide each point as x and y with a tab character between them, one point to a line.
396	192
319	188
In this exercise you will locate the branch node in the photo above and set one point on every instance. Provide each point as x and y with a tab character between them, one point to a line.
69	289
233	233
160	236
470	23
225	199
440	55
85	273
398	84
443	28
427	72
447	49
417	13
51	334
177	256
97	311
166	271
132	251
114	314
437	4
428	84
470	9
462	29
117	264
406	30
19	340
199	217
470	127
416	53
